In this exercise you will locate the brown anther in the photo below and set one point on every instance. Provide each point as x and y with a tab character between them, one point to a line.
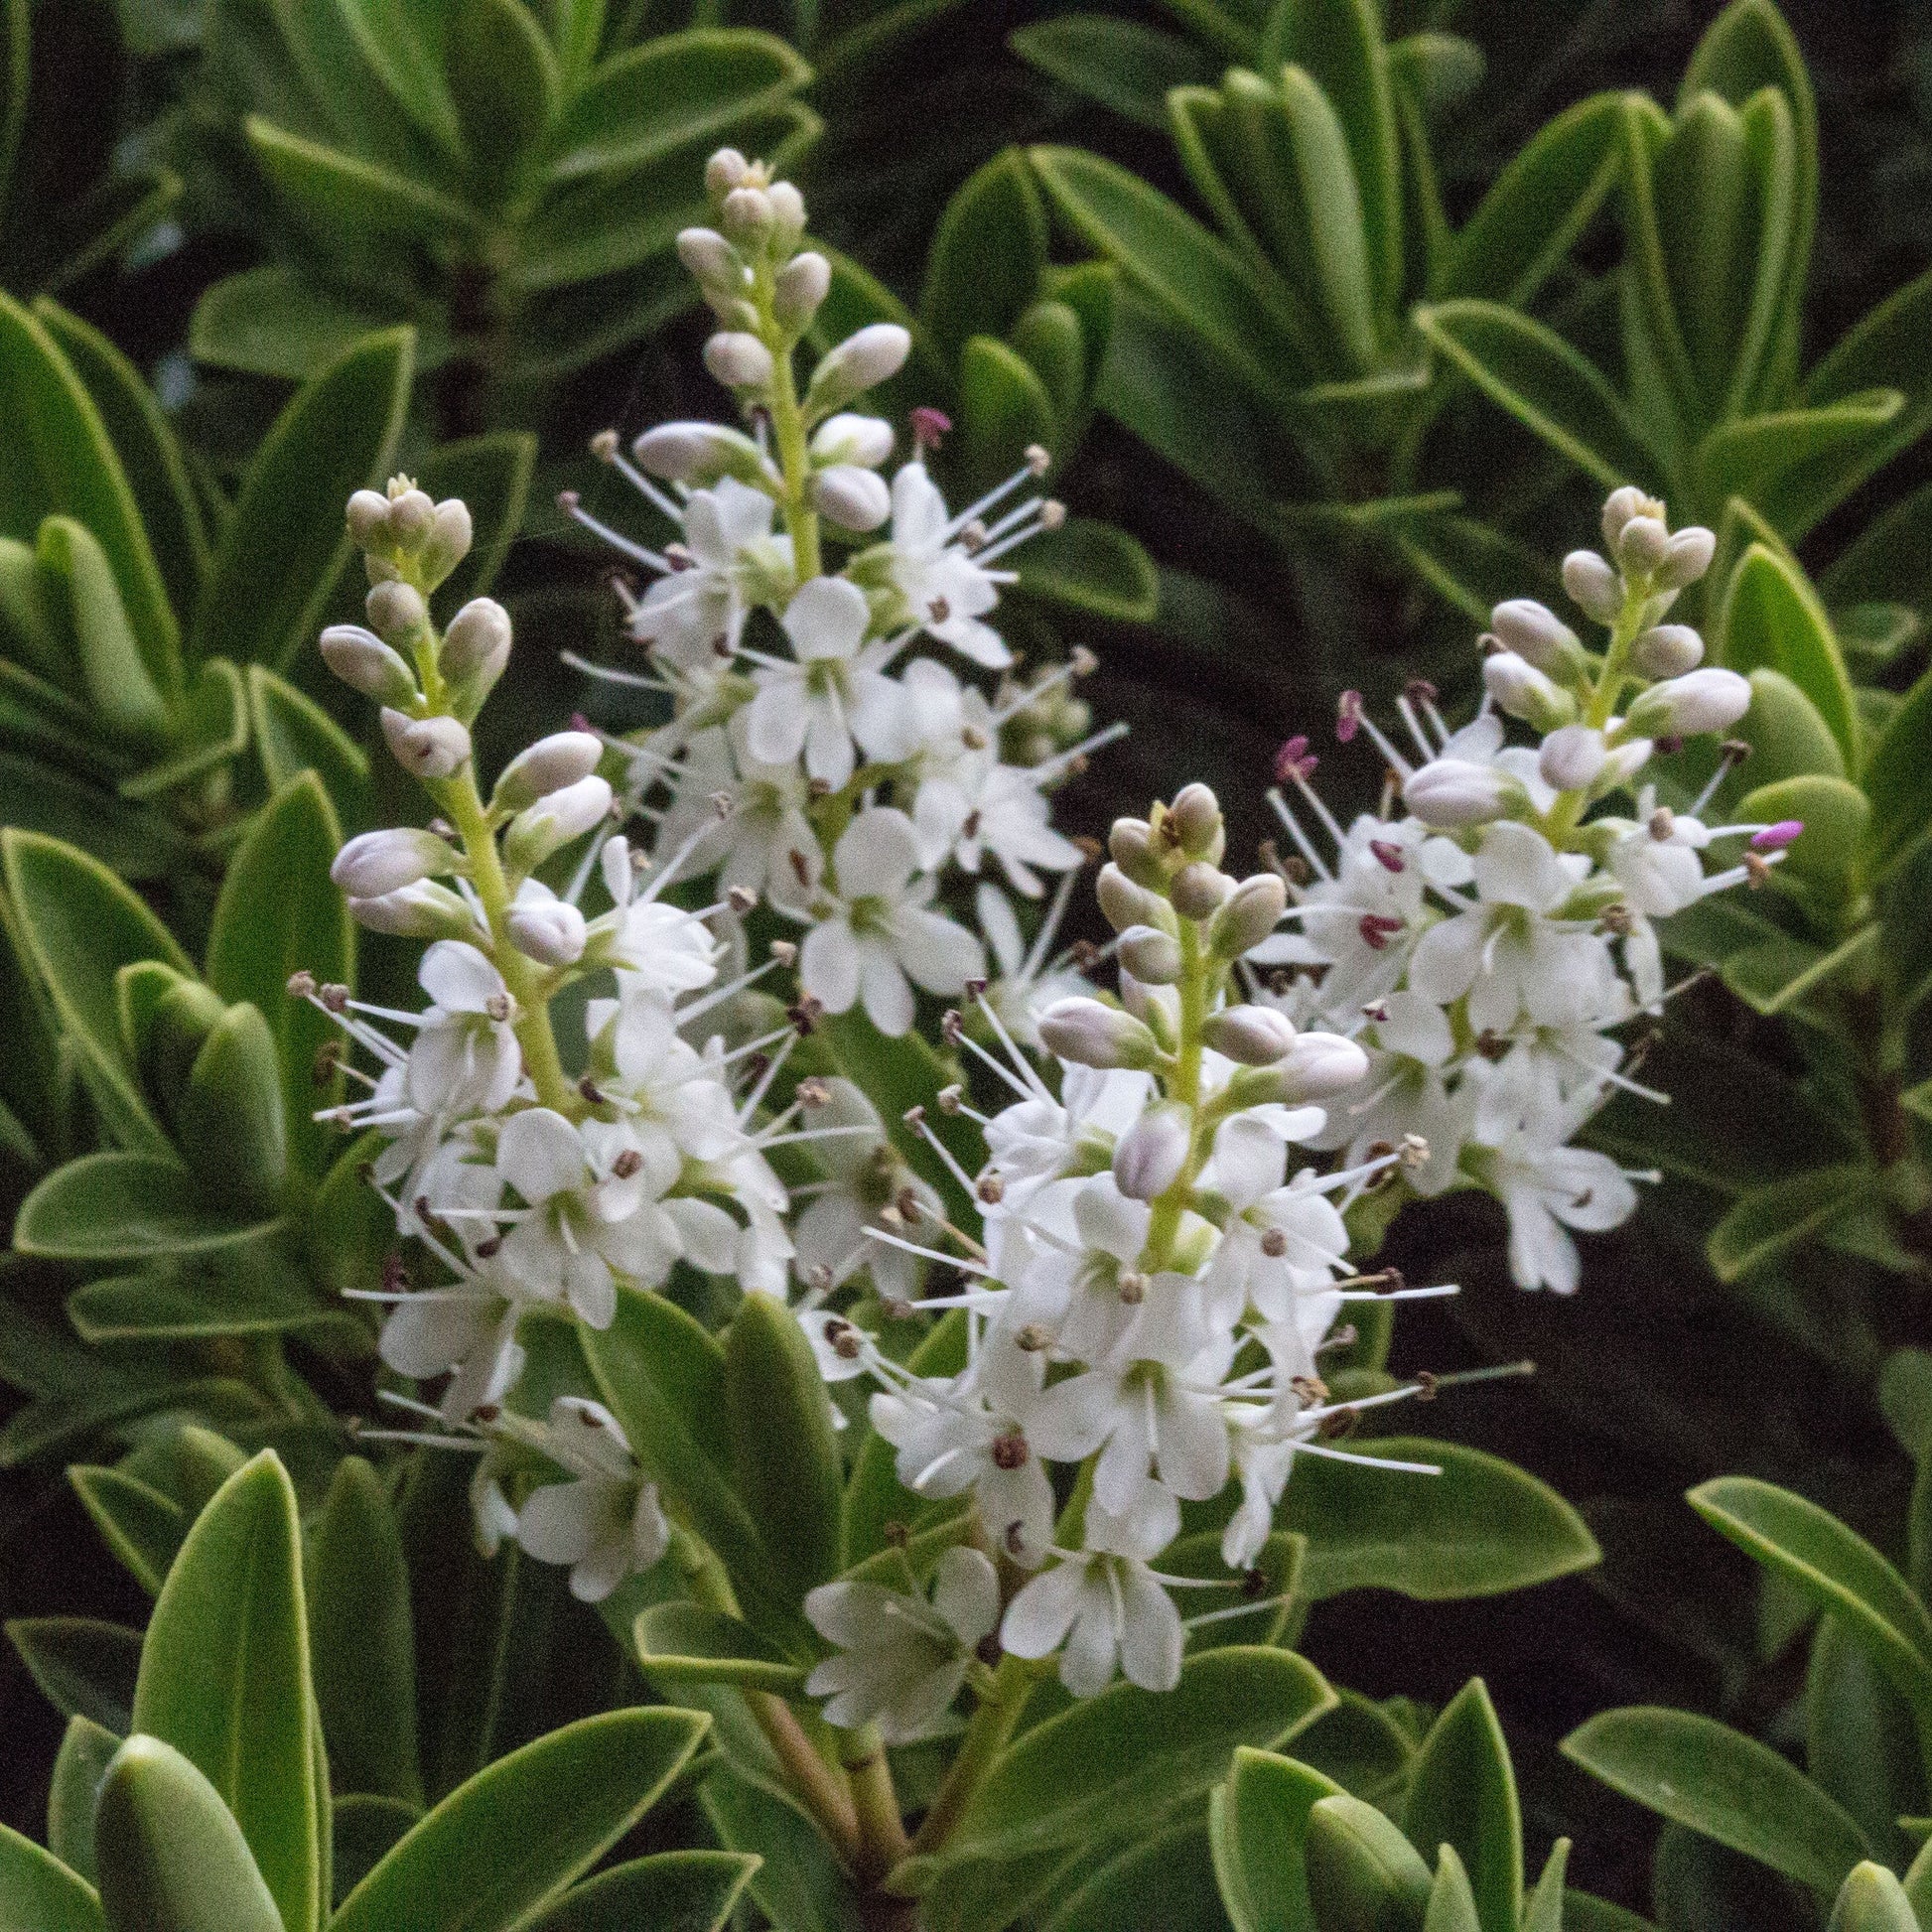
913	1116
1347	1336
1311	1388
1014	1540
758	1065
722	804
1662	823
591	1092
485	1413
603	444
1668	746
973	737
1489	644
976	989
847	1343
329	1058
1009	1452
497	1007
335	998
1253	1583
626	1163
970	829
741	899
801	868
1077	765
952	1024
679	556
910	1207
488	1250
818	1278
1415	1151
1616	918
1088	846
896	1534
444	830
1492	1044
1376	1010
1033	1338
890	1219
1274	1244
1133	1287
366	1173
395	1277
1082	662
1053	514
812	1092
804	1016
1733	751
1039	458
1085	956
939	609
948	1099
1337	1425
990	1187
302	985
1428	1383
988	1650
1756	871
973	537
1419	690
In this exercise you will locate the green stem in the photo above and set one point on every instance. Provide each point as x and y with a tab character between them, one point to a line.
987	1736
1184	1085
1567	814
788	435
882	1830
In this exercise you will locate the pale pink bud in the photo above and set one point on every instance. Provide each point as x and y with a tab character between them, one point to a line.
1153	1152
1254	1035
548	931
1090	1034
699	453
424	911
363	661
1150	955
1667	650
546	766
410	516
375	863
396	611
1572	759
553	820
1520	689
723	172
1706	699
451	533
1535	632
787	212
431	747
478	633
1196	816
1451	792
851	497
848	438
874	354
1687	559
711	260
1595	587
1198	891
1641	544
1252	911
1318	1066
1125	904
739	361
747	216
1620	505
800	287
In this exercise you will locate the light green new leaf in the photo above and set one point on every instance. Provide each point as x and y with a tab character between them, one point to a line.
293	735
1770	615
984	265
80	1766
285	544
1769	1222
1463	1795
800	1884
141	1525
1872	1900
1545	1910
1092	568
1481	1527
347	194
128	1207
229	1117
37	1894
1726	1785
171	1856
680	1643
1003	410
1361	1870
224	1679
1787	736
1067	1777
1257	1823
670	1891
519	1832
252	1295
1452	1904
1895	780
126	702
1122	63
212	727
1753	455
276	320
279	914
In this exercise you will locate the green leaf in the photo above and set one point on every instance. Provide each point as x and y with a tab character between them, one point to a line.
897	1076
126	1207
344	195
492	474
1770	615
37	1894
1835	1569
1785	732
1361	1746
1481	1527
680	1643
1163	1883
1769	1222
363	1830
670	94
285	545
361	1639
1463	1796
63	464
1778	972
1067	1777
1257	1824
517	1834
84	1668
1753	455
123	697
671	1892
240	1295
1889	561
1726	1786
1529	371
984	265
224	1679
502	76
142	1526
157	471
276	320
1052	339
1092	568
293	735
1835	814
1894	780
784	1449
1361	1871
1452	1904
1860	1742
1544	1912
172	1857
278	913
1122	63
799	1885
1004	409
78	1769
1538	208
229	1115
211	730
1872	1900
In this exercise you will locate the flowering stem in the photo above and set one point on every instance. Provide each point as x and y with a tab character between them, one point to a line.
789	434
987	1734
1184	1085
1559	827
882	1832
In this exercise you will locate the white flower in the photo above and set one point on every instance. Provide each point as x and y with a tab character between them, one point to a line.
903	1657
770	847
1404	1092
656	948
700	609
981	806
1657	862
1028	983
1546	1189
880	931
833	694
464	1059
946	591
865	1177
604	1521
1072	1287
1285	1243
663	1089
469	1328
545	928
1106	1605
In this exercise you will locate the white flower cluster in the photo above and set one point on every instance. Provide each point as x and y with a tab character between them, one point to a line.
1482	934
804	761
1150	1294
529	1186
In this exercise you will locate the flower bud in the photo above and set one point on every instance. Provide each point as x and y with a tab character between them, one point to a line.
713	262
1150	955
1448	793
1536	634
363	661
699	453
1667	650
1706	699
739	361
874	354
1152	1153
451	533
746	216
424	911
375	863
1524	692
396	611
367	517
787	213
1252	911
1595	588
479	632
1089	1033
410	516
1687	559
1197	817
553	820
1641	543
1623	764
1198	891
431	747
723	172
1317	1066
846	437
1620	505
552	763
799	289
1254	1035
1572	757
548	931
851	497
1131	841
1127	904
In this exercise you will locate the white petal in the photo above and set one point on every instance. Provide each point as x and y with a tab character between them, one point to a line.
940	955
1151	1632
1038	1618
882	985
774	721
828	965
540	1155
966	1592
559	1521
1250	1159
827	618
875	854
458	977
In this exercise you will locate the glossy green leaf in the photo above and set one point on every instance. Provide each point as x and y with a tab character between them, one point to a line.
680	1643
343	194
671	1892
503	80
1452	1904
1860	1742
1162	1881
1481	1527
65	465
293	735
1653	337
1834	1568
1888	560
1753	455
123	696
517	1834
800	1884
361	1638
237	1294
1257	1825
1051	339
141	1525
1361	1870
1545	1909
1786	732
276	320
1463	1795
37	1894
83	1667
984	265
1895	779
172	1857
1003	410
1529	371
80	1766
285	544
1835	815
1770	615
1726	1785
1769	1222
1065	1777
229	1117
1092	568
211	729
1361	1746
1776	973
1124	64
224	1679
127	1207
